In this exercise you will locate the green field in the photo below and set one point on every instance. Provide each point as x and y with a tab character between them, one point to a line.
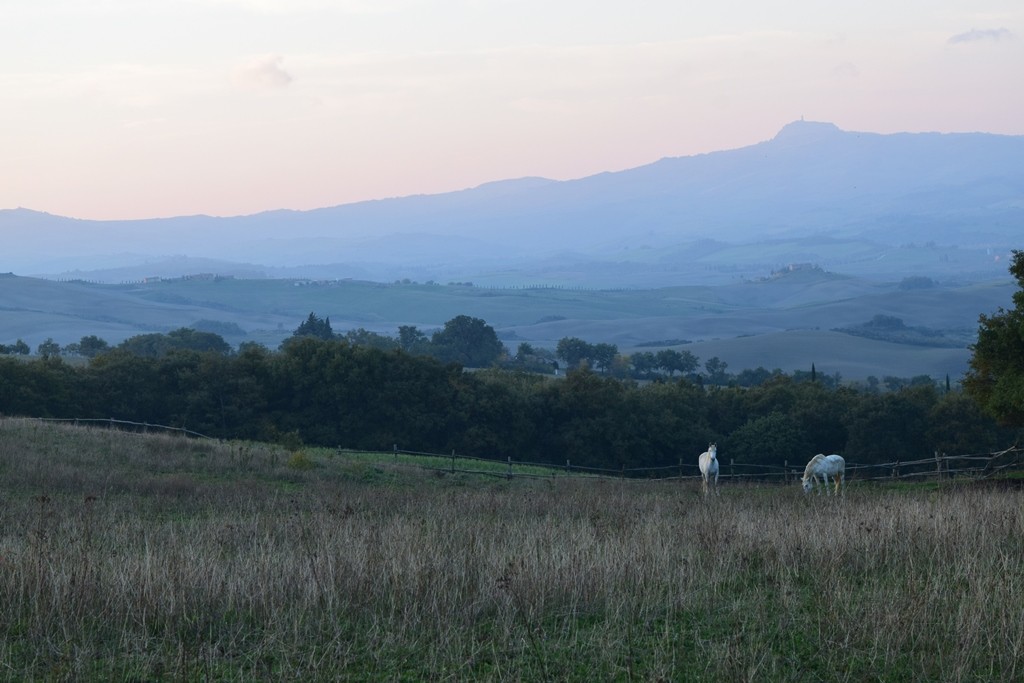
150	557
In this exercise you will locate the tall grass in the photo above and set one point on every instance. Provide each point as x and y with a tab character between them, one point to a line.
146	557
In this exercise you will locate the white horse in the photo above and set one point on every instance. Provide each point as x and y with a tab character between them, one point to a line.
708	462
825	467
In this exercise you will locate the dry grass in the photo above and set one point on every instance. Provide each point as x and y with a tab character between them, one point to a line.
146	557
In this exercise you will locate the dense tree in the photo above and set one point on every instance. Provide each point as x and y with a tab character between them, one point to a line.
604	355
155	345
330	392
151	345
42	388
771	439
188	339
126	386
469	341
19	347
584	420
996	375
892	427
958	425
755	377
715	368
574	351
643	364
672	361
314	326
412	340
361	337
668	424
493	414
91	346
48	348
524	351
530	358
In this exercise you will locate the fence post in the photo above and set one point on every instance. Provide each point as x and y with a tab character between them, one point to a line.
453	461
680	468
938	466
567	466
896	470
732	471
785	471
394	448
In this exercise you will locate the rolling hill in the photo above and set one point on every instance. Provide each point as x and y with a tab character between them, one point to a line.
786	321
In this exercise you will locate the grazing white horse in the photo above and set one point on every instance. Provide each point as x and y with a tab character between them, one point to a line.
708	462
825	467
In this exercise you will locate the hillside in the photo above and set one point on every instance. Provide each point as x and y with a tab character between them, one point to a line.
786	321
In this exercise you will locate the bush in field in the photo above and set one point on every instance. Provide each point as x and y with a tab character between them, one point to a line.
300	460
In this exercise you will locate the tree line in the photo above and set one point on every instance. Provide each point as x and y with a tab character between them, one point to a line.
473	343
331	392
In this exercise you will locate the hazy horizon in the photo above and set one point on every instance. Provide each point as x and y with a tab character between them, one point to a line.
117	110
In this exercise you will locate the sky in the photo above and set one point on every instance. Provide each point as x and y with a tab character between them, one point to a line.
122	109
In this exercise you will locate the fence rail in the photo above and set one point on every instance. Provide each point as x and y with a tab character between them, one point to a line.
936	467
123	424
939	466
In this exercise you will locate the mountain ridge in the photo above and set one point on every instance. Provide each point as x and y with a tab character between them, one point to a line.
812	179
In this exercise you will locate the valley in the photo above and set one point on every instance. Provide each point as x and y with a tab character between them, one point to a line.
786	321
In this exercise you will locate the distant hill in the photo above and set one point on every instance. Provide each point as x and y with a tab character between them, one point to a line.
948	206
786	321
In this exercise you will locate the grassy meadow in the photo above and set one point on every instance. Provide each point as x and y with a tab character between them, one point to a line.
152	557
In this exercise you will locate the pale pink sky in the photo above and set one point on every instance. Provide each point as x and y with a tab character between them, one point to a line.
127	109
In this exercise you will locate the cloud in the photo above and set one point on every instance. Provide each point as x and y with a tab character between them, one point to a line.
978	35
263	73
846	70
280	7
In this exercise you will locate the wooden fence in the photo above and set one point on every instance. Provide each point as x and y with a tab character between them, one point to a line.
939	466
125	425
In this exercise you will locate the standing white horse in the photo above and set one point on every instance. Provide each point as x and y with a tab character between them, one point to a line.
708	462
825	467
